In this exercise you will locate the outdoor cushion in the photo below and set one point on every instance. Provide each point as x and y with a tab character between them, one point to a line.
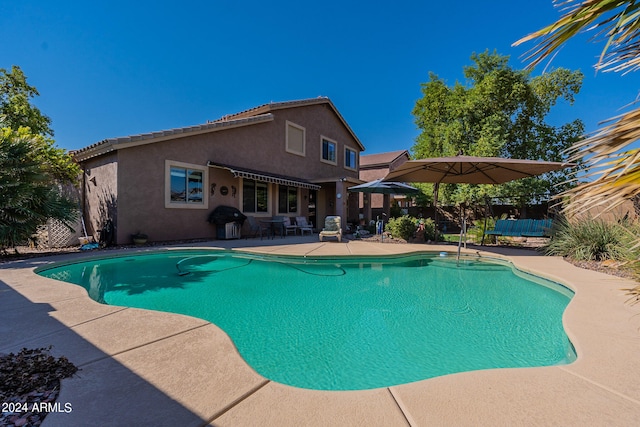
331	228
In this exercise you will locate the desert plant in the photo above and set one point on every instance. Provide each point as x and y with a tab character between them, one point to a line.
31	171
592	240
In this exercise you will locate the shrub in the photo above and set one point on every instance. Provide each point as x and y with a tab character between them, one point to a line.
592	240
430	229
403	227
395	211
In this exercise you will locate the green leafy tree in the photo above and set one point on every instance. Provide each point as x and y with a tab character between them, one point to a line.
16	109
33	172
498	112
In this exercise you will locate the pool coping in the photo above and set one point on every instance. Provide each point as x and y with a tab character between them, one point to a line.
161	368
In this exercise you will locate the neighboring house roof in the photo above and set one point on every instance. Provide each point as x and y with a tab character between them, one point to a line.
260	114
380	160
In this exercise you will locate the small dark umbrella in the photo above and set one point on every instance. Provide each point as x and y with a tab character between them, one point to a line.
384	187
381	187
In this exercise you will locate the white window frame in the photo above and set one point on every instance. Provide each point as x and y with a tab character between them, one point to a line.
167	185
346	157
335	144
304	139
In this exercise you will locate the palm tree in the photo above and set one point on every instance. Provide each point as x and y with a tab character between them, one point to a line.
31	172
612	167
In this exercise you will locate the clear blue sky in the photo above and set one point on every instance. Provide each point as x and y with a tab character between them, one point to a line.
116	68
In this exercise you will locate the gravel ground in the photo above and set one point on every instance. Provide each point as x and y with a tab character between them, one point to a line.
30	385
609	267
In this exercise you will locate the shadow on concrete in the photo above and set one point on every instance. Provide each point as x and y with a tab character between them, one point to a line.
131	399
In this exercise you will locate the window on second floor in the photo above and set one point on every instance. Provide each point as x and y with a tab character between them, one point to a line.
350	159
295	139
328	151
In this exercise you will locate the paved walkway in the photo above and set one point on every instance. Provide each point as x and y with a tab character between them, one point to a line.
142	367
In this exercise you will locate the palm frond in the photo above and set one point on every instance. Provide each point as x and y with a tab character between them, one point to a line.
616	134
608	189
616	21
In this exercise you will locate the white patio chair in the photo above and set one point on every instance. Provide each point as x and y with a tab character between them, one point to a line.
288	226
303	225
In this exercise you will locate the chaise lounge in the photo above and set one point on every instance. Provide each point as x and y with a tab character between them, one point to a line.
332	228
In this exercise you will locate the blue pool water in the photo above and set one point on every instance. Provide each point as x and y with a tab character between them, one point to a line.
346	323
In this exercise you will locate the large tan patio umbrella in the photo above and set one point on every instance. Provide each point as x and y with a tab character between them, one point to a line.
468	170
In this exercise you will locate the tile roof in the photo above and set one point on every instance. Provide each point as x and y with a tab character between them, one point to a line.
259	114
264	108
274	106
111	144
381	159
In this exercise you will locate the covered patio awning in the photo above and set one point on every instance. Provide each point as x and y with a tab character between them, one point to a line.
264	176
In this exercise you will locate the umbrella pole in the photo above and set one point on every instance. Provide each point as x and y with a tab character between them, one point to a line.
459	245
463	231
484	229
436	186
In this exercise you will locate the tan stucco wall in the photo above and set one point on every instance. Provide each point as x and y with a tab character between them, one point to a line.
262	147
100	192
141	172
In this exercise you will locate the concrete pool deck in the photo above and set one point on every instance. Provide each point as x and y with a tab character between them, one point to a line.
151	368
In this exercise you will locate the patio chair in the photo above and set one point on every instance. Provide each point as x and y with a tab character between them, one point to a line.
303	225
288	226
332	228
256	228
277	225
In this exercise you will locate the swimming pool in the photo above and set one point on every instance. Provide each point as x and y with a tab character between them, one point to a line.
346	323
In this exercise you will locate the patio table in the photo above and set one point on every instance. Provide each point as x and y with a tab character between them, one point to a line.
271	223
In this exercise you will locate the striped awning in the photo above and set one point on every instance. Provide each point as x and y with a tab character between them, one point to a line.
264	177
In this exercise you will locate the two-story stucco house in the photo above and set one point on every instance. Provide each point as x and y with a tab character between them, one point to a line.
288	158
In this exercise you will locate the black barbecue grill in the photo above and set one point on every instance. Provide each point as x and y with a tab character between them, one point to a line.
228	221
